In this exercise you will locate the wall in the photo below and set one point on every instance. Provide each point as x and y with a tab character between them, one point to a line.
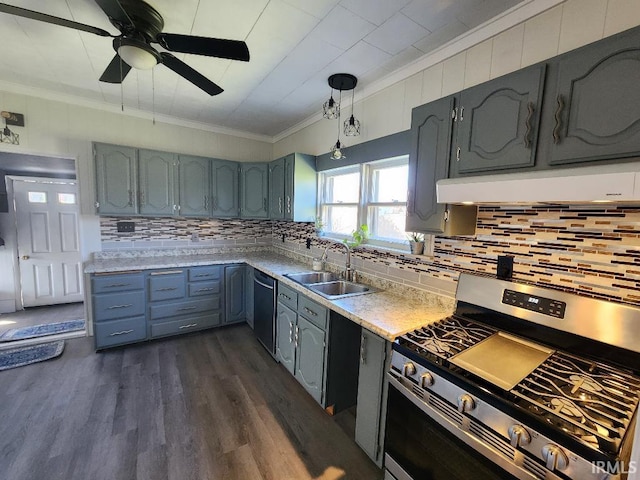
558	30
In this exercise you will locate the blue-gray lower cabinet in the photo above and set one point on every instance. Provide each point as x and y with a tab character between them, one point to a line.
310	357
249	294
118	307
235	287
286	321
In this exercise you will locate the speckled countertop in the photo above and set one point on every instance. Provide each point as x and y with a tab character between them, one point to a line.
389	315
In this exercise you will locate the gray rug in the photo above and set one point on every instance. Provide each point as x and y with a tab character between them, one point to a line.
17	357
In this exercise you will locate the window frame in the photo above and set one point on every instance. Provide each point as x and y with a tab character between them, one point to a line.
366	171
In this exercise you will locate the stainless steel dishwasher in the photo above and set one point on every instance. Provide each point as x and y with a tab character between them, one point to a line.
264	312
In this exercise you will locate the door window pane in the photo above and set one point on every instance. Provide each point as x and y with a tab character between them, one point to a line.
37	197
67	198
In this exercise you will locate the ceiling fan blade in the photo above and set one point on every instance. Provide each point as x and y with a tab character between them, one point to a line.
116	71
190	74
114	11
211	47
43	17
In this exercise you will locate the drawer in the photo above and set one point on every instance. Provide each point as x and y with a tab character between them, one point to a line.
177	309
167	285
287	296
110	306
316	314
162	329
197	274
204	288
118	332
117	282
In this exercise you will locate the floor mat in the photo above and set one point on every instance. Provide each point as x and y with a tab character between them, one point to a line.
17	357
42	330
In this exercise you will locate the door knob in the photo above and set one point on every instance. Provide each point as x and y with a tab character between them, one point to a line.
25	257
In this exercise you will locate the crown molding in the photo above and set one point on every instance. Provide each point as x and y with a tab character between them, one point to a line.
506	20
129	111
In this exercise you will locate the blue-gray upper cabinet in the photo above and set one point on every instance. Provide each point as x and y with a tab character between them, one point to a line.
276	189
254	190
116	179
497	123
292	188
225	199
195	187
157	182
594	102
235	286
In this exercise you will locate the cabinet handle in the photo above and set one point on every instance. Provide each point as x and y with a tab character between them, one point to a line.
461	113
126	305
363	349
290	331
206	202
288	203
203	275
215	203
457	154
297	336
123	332
280	204
114	285
209	289
527	135
130	198
191	325
282	295
141	197
184	309
166	289
264	204
310	312
166	272
454	114
558	118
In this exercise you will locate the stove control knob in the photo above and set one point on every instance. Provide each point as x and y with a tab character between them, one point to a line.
408	369
519	436
554	457
466	403
426	380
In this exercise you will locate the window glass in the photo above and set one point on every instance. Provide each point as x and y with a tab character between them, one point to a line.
343	188
67	198
340	219
388	223
37	197
389	184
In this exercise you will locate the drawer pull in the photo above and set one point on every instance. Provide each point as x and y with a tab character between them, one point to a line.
123	332
208	289
184	309
113	285
191	325
126	305
282	295
310	312
204	275
166	289
168	272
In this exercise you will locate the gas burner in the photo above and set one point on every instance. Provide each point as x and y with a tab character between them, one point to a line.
567	407
585	383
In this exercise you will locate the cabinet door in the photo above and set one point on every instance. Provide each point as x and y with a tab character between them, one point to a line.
285	328
194	188
370	383
157	172
428	162
497	123
276	189
116	192
254	190
596	103
310	357
224	195
234	289
289	186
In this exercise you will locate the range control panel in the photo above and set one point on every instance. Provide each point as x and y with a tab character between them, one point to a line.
547	306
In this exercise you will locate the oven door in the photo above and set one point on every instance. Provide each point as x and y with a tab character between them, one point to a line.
418	448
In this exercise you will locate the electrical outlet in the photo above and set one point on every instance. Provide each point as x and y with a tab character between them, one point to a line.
505	267
126	227
195	237
308	244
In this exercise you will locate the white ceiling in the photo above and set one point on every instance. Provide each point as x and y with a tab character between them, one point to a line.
294	45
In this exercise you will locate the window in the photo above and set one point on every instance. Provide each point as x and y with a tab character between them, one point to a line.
67	198
37	197
373	193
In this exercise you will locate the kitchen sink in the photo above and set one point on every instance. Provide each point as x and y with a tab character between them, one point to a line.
340	289
307	278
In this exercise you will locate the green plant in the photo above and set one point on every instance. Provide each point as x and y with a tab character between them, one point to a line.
318	223
358	237
415	236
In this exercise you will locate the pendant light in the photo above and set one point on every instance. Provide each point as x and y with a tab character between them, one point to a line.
331	109
352	126
336	150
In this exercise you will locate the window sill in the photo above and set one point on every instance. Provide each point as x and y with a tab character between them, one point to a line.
401	249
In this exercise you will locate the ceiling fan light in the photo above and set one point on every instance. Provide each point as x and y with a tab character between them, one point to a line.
138	56
331	109
336	152
352	127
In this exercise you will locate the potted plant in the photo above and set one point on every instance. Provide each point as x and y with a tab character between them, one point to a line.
318	225
416	242
357	237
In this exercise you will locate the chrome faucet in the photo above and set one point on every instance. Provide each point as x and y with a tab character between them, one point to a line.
348	271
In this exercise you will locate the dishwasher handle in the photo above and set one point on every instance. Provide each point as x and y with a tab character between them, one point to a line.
264	280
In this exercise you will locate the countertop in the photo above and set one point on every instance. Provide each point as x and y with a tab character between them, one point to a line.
386	314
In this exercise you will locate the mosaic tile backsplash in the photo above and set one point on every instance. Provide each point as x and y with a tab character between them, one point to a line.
589	250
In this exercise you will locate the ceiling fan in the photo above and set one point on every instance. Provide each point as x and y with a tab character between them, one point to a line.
140	25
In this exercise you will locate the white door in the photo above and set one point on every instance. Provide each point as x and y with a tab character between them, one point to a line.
48	241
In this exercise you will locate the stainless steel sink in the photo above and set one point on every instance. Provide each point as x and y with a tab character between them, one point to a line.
307	278
340	289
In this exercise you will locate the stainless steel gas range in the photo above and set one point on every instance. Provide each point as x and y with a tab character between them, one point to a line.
521	382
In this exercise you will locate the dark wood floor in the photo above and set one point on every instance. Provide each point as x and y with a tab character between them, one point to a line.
206	406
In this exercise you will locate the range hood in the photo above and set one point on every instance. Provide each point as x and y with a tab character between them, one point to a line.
603	183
